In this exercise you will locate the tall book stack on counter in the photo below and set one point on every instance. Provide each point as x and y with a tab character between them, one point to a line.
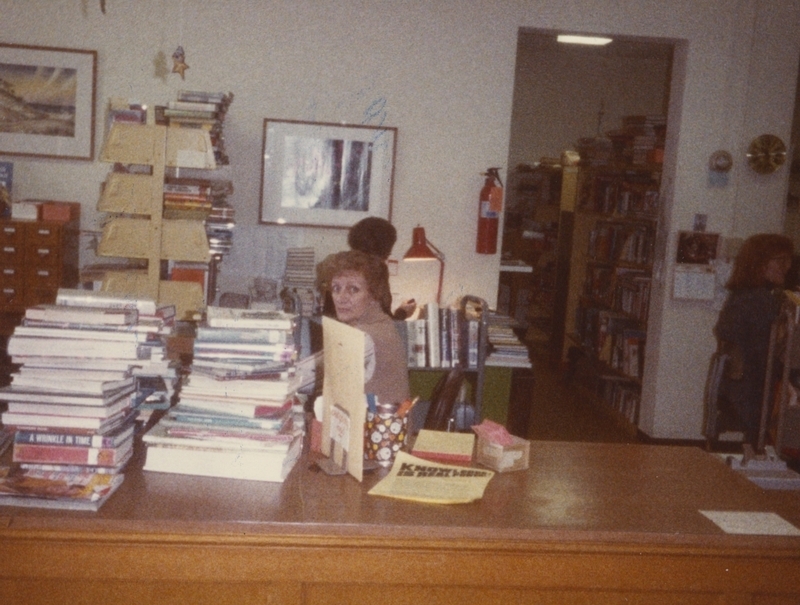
236	412
73	402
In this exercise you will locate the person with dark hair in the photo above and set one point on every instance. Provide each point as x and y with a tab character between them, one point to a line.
358	282
744	326
373	235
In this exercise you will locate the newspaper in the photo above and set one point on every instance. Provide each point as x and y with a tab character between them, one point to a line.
413	478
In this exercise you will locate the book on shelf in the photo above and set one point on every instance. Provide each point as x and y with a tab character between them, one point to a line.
226	317
89	424
235	335
72	347
82	314
12	393
433	339
188	415
259	389
36	329
70	454
210	461
69	410
231	438
57	489
72	439
73	297
238	406
67	373
416	342
81	385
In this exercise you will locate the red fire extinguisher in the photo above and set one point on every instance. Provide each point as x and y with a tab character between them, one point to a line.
489	208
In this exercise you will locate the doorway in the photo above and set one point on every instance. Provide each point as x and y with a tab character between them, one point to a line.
575	99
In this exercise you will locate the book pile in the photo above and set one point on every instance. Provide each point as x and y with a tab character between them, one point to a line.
200	109
299	277
505	348
235	416
73	401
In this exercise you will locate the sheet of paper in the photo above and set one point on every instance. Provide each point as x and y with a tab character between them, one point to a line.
343	390
752	523
413	478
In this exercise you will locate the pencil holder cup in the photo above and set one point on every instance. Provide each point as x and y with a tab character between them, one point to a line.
384	434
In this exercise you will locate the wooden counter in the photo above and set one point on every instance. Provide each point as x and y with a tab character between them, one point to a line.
588	523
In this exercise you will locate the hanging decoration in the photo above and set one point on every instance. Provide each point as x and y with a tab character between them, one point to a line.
179	62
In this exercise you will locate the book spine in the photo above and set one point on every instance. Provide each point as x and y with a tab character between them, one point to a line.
434	342
69	439
54	454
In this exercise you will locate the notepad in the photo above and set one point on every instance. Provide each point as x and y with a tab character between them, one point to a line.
444	447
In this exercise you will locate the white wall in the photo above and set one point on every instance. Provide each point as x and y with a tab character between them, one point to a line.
563	92
446	71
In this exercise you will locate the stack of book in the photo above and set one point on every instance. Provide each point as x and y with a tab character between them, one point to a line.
72	402
235	415
505	347
200	109
299	277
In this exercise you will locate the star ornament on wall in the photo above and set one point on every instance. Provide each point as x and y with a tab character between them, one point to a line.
179	62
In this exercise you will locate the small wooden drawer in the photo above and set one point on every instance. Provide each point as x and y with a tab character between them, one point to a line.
12	233
11	297
40	295
12	253
38	255
44	234
42	277
11	275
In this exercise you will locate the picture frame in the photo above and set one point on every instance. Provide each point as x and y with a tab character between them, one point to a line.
49	97
322	174
697	247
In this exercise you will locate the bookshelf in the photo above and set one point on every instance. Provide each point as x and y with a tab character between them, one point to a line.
136	228
609	218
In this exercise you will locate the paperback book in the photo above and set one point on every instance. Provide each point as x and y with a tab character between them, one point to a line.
56	489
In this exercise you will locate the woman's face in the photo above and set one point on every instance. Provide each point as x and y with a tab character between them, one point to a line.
776	269
351	296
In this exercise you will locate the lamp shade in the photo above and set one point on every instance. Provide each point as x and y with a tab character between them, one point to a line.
420	250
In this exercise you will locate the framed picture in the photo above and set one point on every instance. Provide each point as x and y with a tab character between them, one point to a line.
325	174
48	100
697	247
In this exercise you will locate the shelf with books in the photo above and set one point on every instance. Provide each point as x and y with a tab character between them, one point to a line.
605	279
160	217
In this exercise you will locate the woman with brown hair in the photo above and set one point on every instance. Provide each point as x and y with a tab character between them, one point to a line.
744	325
359	285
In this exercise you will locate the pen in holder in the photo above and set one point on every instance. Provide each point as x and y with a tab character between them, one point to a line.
385	432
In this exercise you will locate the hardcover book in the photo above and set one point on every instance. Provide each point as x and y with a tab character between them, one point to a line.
254	465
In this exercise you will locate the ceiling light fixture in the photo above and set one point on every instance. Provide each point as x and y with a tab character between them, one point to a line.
592	40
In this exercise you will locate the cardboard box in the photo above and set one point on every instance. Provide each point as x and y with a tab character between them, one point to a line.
500	458
25	211
63	212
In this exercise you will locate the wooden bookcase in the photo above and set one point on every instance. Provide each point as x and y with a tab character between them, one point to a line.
609	223
137	229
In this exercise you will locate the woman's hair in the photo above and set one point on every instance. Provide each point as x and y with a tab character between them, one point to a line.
753	257
373	235
374	270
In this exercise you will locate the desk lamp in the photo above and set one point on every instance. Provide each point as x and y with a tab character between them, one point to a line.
423	250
